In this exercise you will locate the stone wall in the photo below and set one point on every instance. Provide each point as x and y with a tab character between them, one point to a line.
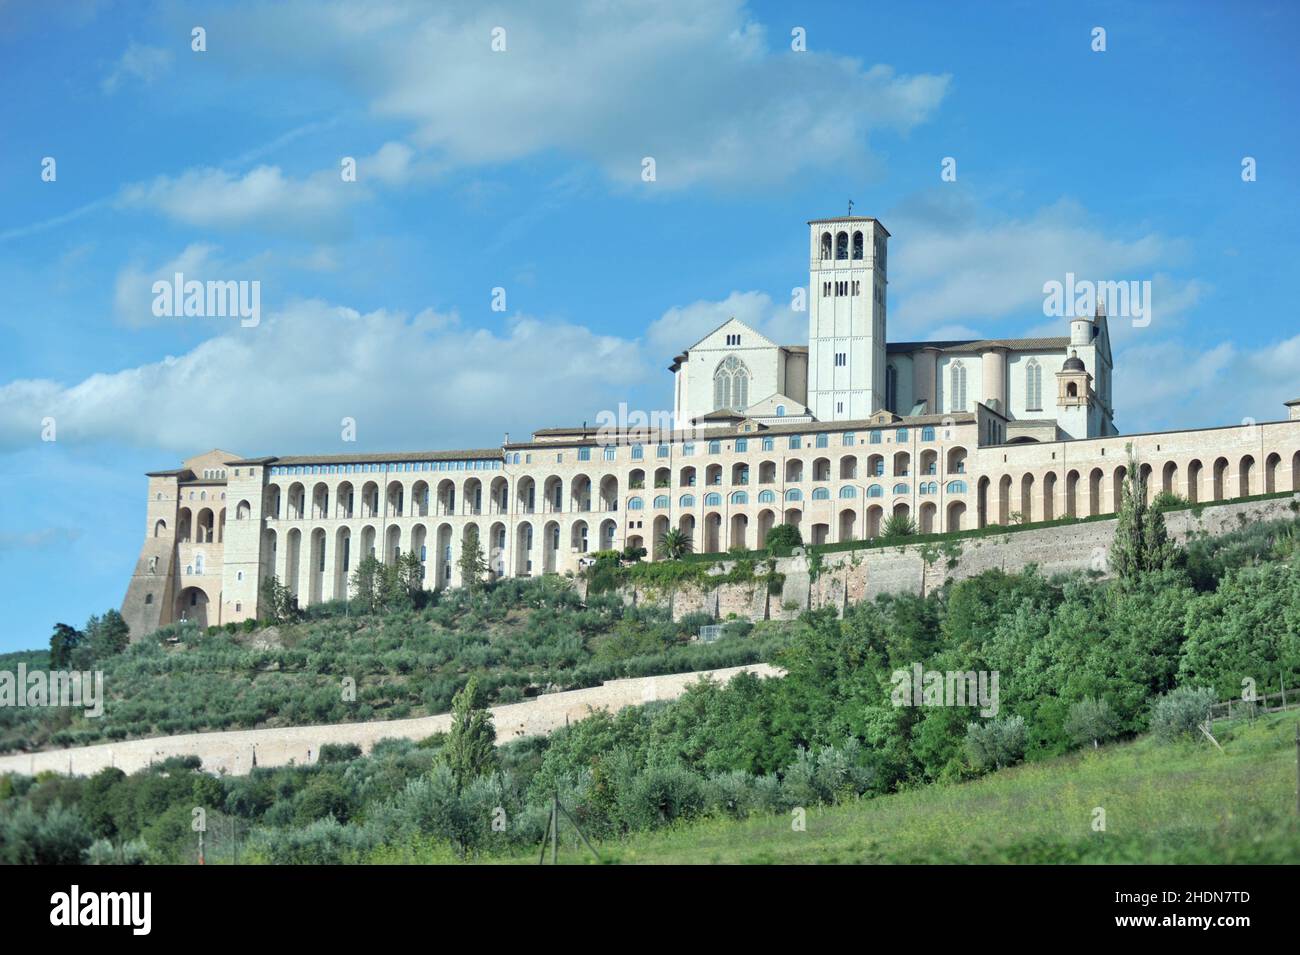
234	751
919	569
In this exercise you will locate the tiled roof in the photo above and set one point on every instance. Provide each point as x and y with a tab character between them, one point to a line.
377	456
983	344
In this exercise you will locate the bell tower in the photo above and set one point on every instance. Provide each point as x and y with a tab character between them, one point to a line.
846	316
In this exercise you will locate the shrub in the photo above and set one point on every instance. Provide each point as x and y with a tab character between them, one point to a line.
661	795
783	537
996	743
1091	720
56	837
339	753
1180	712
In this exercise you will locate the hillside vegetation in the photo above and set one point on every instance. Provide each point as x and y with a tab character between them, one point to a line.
520	638
1084	666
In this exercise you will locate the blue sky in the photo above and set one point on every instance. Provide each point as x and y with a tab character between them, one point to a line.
521	170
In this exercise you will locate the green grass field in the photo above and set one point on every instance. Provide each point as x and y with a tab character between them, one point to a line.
1164	803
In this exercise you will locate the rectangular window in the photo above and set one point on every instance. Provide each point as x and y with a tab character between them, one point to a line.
850	439
638	452
794	442
584	454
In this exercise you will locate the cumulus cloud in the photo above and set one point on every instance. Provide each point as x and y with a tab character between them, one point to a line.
262	198
964	265
1170	384
283	387
700	88
684	325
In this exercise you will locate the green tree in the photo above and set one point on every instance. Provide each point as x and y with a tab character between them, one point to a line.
64	640
676	543
470	750
472	563
783	537
1141	542
1092	720
410	573
368	584
277	601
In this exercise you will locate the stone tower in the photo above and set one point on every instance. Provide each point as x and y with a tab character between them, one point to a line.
846	317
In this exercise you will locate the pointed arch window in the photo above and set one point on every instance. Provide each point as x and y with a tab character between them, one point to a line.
957	393
1033	385
731	385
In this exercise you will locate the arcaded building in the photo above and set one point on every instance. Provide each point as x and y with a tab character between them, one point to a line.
833	436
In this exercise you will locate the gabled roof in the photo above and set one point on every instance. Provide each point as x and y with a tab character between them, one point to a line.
763	340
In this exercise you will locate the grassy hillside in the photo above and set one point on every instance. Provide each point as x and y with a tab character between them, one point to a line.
520	639
1165	803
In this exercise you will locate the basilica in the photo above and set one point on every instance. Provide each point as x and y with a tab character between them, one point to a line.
834	435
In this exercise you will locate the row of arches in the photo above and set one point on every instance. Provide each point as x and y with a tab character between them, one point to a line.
1084	492
580	493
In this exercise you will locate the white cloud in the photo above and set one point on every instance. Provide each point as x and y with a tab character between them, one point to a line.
283	387
963	265
699	87
1168	384
144	64
684	325
262	198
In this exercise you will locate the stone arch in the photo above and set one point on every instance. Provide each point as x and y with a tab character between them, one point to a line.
193	604
524	549
766	521
956	515
442	563
1095	477
794	471
497	549
1169	477
712	542
739	534
473	496
1026	497
658	531
420	498
608	534
1117	478
1004	500
1219	479
1246	476
875	519
1072	493
550	547
982	501
320	501
297	501
578	541
205	527
526	496
370	499
292	560
609	493
1272	467
1049	496
342	562
344	501
552	496
1194	468
926	524
316	566
848	468
159	528
847	525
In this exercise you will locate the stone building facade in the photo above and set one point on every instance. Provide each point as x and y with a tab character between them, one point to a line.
968	453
